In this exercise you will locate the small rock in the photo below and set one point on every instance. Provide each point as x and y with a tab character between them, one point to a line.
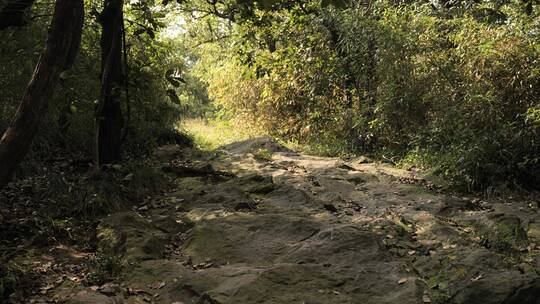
110	289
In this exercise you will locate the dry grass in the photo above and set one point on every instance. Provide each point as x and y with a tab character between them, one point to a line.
211	134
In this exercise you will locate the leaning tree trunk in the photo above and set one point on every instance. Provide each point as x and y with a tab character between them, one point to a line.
13	13
109	112
59	54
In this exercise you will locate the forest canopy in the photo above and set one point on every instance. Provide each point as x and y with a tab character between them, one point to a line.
447	85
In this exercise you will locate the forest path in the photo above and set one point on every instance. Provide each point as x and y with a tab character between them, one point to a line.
258	223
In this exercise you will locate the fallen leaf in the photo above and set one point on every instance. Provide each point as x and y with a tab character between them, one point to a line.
158	285
477	278
143	208
402	281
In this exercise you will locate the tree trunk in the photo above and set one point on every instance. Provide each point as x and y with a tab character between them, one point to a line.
109	112
59	54
13	13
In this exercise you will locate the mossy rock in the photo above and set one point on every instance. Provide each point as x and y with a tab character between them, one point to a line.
154	247
504	233
133	235
533	232
191	183
172	223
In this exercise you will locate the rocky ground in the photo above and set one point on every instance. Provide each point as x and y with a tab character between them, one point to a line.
257	223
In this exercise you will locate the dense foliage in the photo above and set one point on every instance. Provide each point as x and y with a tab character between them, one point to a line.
449	85
69	123
452	87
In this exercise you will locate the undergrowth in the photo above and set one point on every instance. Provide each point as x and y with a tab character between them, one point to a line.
63	205
210	134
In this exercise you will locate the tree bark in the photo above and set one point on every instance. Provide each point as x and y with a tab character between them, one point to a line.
109	120
13	13
58	55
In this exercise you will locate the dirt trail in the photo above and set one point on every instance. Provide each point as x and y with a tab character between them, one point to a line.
241	227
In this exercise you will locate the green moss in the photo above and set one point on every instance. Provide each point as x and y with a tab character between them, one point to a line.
107	237
191	183
442	283
504	234
263	154
154	247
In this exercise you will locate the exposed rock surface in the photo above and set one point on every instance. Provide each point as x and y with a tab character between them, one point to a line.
265	234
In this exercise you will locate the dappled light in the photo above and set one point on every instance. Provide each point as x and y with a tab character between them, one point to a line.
276	151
